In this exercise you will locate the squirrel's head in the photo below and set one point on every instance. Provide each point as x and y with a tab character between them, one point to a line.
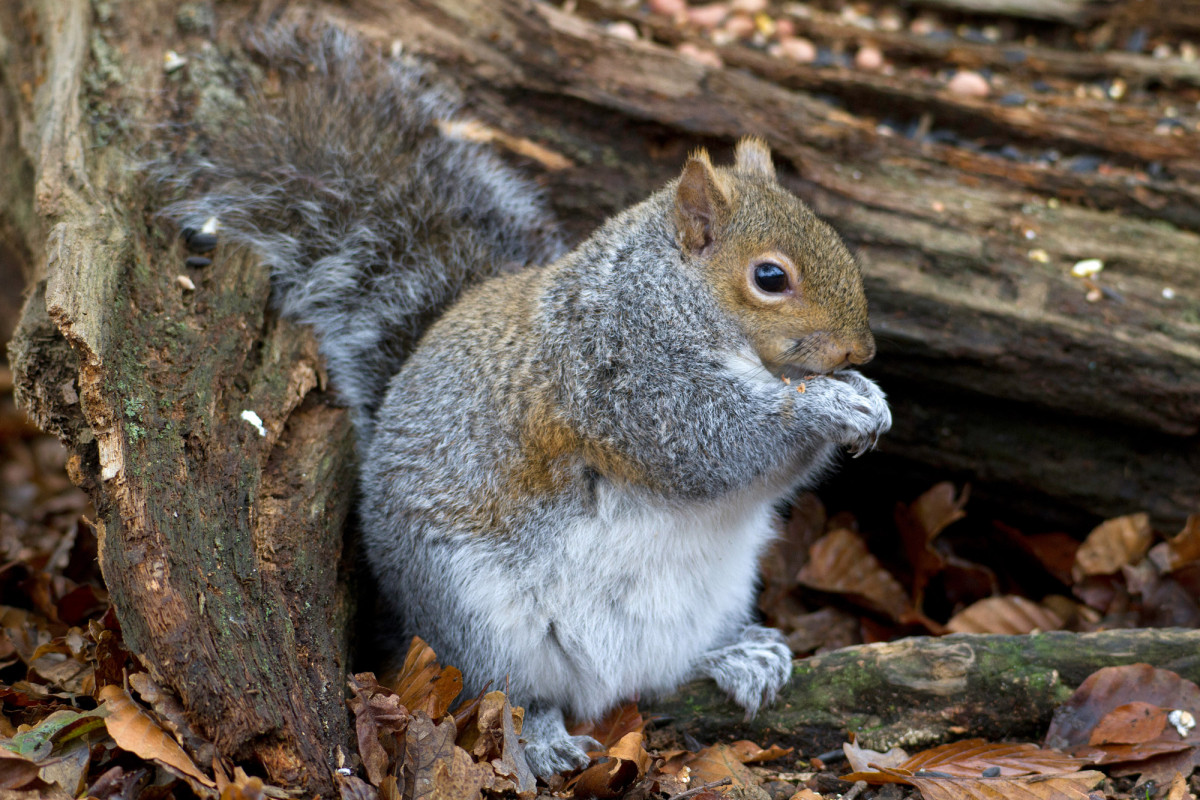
775	267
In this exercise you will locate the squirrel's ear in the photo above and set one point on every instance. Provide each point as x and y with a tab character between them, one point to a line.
699	203
753	157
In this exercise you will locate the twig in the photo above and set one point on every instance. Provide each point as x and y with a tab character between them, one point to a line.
699	789
855	790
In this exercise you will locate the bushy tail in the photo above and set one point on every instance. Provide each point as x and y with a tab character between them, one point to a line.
370	219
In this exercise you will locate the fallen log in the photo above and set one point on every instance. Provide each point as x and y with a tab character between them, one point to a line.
918	692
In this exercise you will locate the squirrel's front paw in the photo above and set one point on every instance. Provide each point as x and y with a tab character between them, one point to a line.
753	670
860	414
549	749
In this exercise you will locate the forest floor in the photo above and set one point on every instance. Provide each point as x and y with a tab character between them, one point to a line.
849	567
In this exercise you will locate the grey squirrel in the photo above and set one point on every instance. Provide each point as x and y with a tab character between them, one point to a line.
568	471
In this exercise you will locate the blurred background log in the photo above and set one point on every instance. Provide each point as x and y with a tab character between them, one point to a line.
1000	368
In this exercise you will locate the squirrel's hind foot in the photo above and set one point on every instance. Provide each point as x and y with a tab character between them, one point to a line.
549	749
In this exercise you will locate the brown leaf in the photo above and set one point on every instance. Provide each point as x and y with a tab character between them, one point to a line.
750	753
971	757
610	730
860	757
1074	786
15	770
787	554
69	769
378	718
435	768
840	563
1112	687
1009	614
134	731
422	683
1165	603
717	763
1109	688
1054	551
352	787
1112	545
1180	550
1132	723
173	716
828	628
494	738
938	508
1178	789
625	763
920	523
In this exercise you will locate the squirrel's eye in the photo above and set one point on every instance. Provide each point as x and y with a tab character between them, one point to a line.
770	278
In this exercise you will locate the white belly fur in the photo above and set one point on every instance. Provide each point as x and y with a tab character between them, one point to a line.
635	595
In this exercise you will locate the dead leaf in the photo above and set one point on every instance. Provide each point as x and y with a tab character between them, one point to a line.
352	787
828	628
1111	687
1178	789
1132	723
1055	551
625	763
750	753
1074	786
1113	544
69	768
435	768
610	730
938	508
860	757
422	683
839	562
1008	614
16	770
971	757
134	731
378	718
787	554
717	763
1165	603
1104	691
174	719
116	782
495	738
1180	550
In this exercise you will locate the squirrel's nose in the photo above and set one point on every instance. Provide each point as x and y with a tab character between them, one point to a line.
861	352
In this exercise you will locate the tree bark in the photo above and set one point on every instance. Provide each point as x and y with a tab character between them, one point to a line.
220	534
922	691
221	543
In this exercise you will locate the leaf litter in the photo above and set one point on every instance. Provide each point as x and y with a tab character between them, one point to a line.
70	726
